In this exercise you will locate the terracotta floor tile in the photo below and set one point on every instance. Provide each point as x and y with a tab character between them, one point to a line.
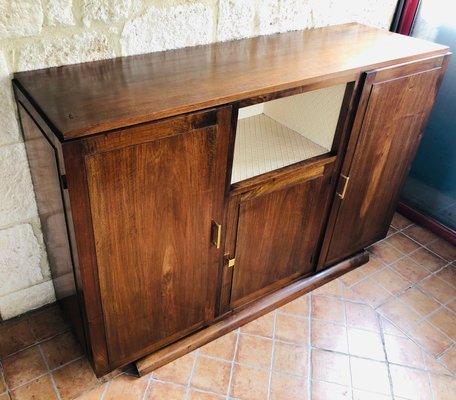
400	222
326	335
385	252
400	314
430	338
402	243
438	288
95	393
24	366
391	231
433	365
222	347
211	375
300	307
366	344
410	383
410	270
443	249
161	390
427	259
61	350
74	379
420	234
349	294
422	303
128	369
48	323
14	337
445	320
284	387
364	395
41	388
126	387
361	316
370	376
333	391
329	289
263	326
448	274
249	383
371	267
391	280
452	306
331	367
328	309
371	292
352	277
255	351
403	351
449	360
390	329
444	387
292	329
177	371
196	395
291	359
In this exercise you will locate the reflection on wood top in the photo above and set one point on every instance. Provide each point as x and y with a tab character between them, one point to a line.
88	98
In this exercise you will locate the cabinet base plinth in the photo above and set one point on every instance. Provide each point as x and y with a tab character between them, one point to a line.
248	314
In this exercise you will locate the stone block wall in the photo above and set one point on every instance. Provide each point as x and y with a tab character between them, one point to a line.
43	33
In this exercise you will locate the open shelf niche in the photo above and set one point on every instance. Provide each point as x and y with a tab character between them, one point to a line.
282	132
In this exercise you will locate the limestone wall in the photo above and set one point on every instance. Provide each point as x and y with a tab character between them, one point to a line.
37	34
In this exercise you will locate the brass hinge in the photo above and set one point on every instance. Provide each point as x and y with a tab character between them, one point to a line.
344	190
229	261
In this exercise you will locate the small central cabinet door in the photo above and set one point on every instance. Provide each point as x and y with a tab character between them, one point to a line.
154	191
278	234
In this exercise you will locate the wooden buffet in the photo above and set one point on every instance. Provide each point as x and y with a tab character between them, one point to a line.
184	193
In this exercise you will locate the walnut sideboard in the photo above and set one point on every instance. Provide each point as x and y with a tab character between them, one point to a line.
186	192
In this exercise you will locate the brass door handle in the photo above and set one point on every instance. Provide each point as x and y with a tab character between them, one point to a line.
216	234
344	190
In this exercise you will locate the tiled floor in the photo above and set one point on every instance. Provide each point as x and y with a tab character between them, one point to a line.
386	330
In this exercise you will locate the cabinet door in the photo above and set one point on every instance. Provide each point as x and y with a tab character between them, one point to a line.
279	232
394	106
154	191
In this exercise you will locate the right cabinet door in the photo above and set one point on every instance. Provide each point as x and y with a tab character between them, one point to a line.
394	106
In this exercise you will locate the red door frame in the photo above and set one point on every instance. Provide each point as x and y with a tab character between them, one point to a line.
408	16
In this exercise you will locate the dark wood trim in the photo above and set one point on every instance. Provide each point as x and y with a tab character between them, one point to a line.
351	105
427	222
281	182
255	310
298	90
225	274
86	269
289	173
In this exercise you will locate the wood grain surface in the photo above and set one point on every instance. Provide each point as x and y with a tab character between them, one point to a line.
397	103
84	99
243	316
152	205
278	234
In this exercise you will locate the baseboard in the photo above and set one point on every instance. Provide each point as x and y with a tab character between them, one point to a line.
428	223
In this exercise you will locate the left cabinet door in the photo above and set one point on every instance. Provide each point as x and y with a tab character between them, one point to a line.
153	193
